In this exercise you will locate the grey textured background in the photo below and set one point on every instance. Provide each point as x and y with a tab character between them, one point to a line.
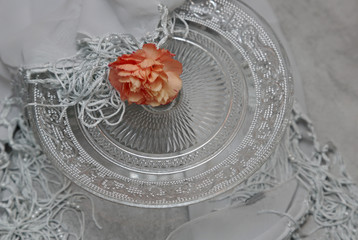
323	37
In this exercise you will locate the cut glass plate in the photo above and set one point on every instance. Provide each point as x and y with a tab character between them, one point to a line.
229	116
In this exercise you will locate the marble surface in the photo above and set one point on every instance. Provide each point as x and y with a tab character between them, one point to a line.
323	37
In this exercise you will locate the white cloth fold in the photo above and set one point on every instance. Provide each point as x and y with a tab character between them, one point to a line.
42	31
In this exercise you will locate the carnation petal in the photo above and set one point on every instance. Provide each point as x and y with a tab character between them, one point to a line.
128	67
124	79
137	73
124	74
173	65
147	63
135	84
163	97
133	58
163	76
134	96
165	56
174	82
151	51
158	67
156	86
143	74
114	79
147	76
153	76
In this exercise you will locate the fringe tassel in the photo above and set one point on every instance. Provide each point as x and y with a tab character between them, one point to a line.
320	169
334	196
82	80
31	205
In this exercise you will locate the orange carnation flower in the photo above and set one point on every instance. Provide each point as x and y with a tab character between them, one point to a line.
148	76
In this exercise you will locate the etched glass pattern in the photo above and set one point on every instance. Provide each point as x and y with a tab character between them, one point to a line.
230	115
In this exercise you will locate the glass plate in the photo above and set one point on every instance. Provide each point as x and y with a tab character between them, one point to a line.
230	115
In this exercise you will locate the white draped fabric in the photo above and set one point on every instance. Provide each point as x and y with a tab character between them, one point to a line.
41	31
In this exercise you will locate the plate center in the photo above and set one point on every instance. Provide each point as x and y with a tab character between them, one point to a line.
163	108
196	126
191	120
